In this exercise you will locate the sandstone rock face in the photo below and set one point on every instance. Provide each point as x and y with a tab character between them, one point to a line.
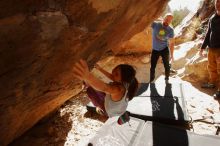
139	43
192	67
41	40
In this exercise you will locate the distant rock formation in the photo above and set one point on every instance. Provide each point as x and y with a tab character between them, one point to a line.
192	25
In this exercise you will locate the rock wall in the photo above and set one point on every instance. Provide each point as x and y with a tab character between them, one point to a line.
138	44
194	29
40	41
192	25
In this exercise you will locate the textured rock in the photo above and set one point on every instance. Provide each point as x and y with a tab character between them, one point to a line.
140	43
191	26
41	40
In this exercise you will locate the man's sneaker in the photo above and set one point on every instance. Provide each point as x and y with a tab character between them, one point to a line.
172	71
217	95
208	85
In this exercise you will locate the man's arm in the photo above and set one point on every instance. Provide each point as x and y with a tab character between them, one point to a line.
171	46
206	41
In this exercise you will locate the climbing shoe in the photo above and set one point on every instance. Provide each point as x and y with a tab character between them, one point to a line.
124	118
99	111
172	71
208	85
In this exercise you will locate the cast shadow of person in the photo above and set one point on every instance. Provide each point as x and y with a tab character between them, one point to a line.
142	88
163	110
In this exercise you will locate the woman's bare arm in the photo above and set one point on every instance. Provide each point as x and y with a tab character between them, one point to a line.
107	74
81	71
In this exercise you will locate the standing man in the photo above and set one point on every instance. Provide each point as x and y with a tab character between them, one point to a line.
163	45
212	40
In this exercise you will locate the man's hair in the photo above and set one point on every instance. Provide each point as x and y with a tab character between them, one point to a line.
168	14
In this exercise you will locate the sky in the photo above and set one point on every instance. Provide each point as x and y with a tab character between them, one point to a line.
190	4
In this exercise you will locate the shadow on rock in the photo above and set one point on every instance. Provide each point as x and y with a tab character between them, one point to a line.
51	131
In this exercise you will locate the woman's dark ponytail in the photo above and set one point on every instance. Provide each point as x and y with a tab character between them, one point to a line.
132	89
128	77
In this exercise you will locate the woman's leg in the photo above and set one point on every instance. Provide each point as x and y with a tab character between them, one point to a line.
96	97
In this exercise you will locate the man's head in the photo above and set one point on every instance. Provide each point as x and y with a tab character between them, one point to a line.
167	19
217	6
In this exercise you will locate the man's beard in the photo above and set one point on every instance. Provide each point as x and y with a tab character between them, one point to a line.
165	24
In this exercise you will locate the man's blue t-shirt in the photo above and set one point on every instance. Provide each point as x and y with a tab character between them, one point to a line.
161	34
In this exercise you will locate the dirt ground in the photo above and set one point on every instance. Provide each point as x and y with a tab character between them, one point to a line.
73	125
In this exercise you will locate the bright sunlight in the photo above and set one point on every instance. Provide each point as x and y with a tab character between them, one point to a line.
192	5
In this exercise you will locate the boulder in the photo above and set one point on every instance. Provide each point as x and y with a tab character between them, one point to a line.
42	39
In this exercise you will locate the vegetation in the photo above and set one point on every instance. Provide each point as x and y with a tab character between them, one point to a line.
179	15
